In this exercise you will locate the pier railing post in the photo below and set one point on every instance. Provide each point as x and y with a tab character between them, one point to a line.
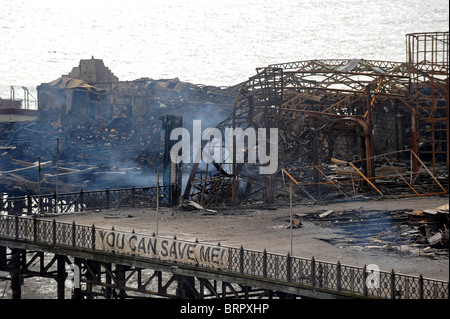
265	263
288	267
392	284
29	205
93	236
34	228
55	197
81	200
365	290
241	259
320	273
313	271
420	287
338	275
107	198
54	230
16	222
73	234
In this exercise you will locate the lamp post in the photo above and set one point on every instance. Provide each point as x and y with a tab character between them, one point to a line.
290	212
39	185
157	200
57	174
290	203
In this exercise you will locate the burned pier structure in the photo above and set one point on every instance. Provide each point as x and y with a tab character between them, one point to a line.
104	133
345	126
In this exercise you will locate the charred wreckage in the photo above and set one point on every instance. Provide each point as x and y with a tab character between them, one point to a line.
346	128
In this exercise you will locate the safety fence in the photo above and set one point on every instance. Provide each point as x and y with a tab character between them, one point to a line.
284	269
81	201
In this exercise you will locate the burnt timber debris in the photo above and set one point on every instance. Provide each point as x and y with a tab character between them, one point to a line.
106	134
347	128
405	232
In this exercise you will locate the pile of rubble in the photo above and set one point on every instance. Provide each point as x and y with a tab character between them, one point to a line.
406	232
100	132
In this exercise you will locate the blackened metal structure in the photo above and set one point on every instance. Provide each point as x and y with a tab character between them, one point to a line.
316	103
428	62
102	129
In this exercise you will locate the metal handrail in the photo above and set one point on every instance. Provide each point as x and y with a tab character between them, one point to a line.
313	273
82	200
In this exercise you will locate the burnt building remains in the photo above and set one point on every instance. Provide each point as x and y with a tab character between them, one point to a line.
346	127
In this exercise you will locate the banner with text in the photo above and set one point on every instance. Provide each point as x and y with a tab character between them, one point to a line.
161	248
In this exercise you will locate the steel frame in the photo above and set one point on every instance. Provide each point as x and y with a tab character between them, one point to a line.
428	62
116	281
310	102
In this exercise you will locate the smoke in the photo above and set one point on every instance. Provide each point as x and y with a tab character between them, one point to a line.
107	139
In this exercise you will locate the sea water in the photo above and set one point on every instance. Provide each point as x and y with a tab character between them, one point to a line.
217	43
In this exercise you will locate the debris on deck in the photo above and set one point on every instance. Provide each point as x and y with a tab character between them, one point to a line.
404	231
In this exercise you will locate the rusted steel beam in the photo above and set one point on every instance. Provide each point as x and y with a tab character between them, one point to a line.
369	137
414	144
359	172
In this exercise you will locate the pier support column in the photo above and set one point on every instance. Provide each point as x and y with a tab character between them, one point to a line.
159	277
186	287
77	288
16	275
60	276
108	279
2	257
121	281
